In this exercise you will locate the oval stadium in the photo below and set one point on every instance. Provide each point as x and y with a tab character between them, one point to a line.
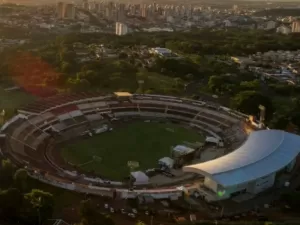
127	145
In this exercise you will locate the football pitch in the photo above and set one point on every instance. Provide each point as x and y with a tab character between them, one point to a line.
144	142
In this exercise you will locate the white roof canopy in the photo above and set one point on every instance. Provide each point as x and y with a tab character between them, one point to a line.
167	161
183	150
140	177
265	152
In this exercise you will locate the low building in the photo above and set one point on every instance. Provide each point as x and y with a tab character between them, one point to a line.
270	25
163	52
242	61
250	169
121	29
296	26
283	30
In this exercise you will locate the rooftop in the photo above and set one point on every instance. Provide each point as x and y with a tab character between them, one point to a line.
122	94
264	152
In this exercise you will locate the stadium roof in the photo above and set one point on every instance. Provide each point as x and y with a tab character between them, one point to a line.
263	153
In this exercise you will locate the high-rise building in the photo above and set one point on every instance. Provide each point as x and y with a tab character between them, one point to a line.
121	29
109	11
97	7
60	10
144	11
121	12
85	4
69	11
296	26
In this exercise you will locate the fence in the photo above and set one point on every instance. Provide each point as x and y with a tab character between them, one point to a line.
102	191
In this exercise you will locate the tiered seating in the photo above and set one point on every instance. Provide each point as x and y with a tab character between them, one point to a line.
91	107
235	133
74	131
181	113
146	105
69	122
47	103
59	127
150	109
213	116
188	110
93	117
39	140
122	109
72	115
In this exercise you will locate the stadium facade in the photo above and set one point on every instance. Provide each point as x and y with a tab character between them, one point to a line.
30	139
252	168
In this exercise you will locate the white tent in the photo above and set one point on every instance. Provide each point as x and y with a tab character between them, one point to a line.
140	177
167	161
180	150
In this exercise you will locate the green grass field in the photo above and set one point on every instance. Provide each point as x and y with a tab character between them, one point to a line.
137	141
13	99
9	101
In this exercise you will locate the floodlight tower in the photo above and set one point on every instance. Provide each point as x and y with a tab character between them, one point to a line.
141	86
262	115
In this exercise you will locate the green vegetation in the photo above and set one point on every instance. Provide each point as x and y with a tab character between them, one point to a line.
48	65
138	141
204	62
10	100
91	216
281	12
19	202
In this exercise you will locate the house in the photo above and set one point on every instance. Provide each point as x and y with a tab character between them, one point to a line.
283	30
227	23
270	25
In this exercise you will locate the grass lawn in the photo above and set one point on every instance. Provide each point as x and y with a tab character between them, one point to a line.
11	100
137	141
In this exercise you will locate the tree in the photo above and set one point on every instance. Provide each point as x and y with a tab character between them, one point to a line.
250	85
215	83
66	67
20	179
6	173
67	56
123	55
292	199
249	101
76	27
90	216
10	204
38	206
140	223
279	122
281	89
78	84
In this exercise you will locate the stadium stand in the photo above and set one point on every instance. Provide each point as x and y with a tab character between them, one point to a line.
61	118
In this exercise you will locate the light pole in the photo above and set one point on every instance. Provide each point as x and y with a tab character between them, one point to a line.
39	209
2	114
222	211
22	143
141	86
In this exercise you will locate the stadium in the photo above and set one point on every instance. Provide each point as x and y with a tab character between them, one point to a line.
198	146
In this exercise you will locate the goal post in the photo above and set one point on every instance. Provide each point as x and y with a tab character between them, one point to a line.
97	159
133	164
